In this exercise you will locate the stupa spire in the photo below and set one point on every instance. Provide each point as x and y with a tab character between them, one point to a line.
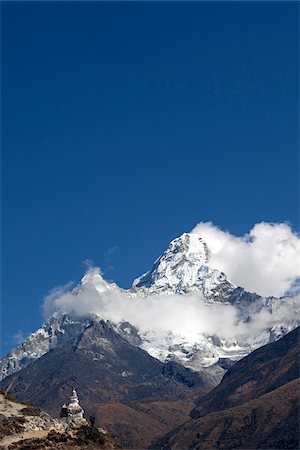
73	411
74	401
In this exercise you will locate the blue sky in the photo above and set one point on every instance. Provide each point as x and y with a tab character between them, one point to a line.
125	124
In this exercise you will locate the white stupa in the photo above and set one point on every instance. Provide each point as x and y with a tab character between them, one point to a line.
73	411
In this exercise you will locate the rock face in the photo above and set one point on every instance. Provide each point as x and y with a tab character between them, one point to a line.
55	332
111	374
255	406
107	363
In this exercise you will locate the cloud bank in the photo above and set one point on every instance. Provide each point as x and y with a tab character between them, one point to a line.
266	260
184	315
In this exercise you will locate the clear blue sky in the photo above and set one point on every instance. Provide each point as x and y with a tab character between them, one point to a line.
125	124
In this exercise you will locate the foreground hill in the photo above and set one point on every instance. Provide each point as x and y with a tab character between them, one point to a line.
255	406
25	427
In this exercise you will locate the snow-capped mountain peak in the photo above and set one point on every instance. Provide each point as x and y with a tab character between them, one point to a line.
184	268
189	246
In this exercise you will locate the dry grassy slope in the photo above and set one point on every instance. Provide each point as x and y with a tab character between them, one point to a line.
255	406
135	427
25	427
269	422
82	439
262	371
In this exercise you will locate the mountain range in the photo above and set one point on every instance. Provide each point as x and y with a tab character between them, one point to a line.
142	378
115	379
182	272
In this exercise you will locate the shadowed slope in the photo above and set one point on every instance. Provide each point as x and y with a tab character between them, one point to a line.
255	406
111	375
264	370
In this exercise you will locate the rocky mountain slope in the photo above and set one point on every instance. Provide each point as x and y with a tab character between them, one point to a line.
255	406
55	332
264	370
127	389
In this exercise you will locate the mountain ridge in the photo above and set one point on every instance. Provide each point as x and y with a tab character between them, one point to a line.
111	375
182	270
256	405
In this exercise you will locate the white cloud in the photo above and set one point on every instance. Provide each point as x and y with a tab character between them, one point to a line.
185	315
266	260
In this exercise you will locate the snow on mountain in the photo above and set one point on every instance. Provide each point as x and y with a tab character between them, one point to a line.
201	352
54	333
260	320
183	269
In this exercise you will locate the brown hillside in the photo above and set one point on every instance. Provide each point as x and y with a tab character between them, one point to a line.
269	422
256	406
262	371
